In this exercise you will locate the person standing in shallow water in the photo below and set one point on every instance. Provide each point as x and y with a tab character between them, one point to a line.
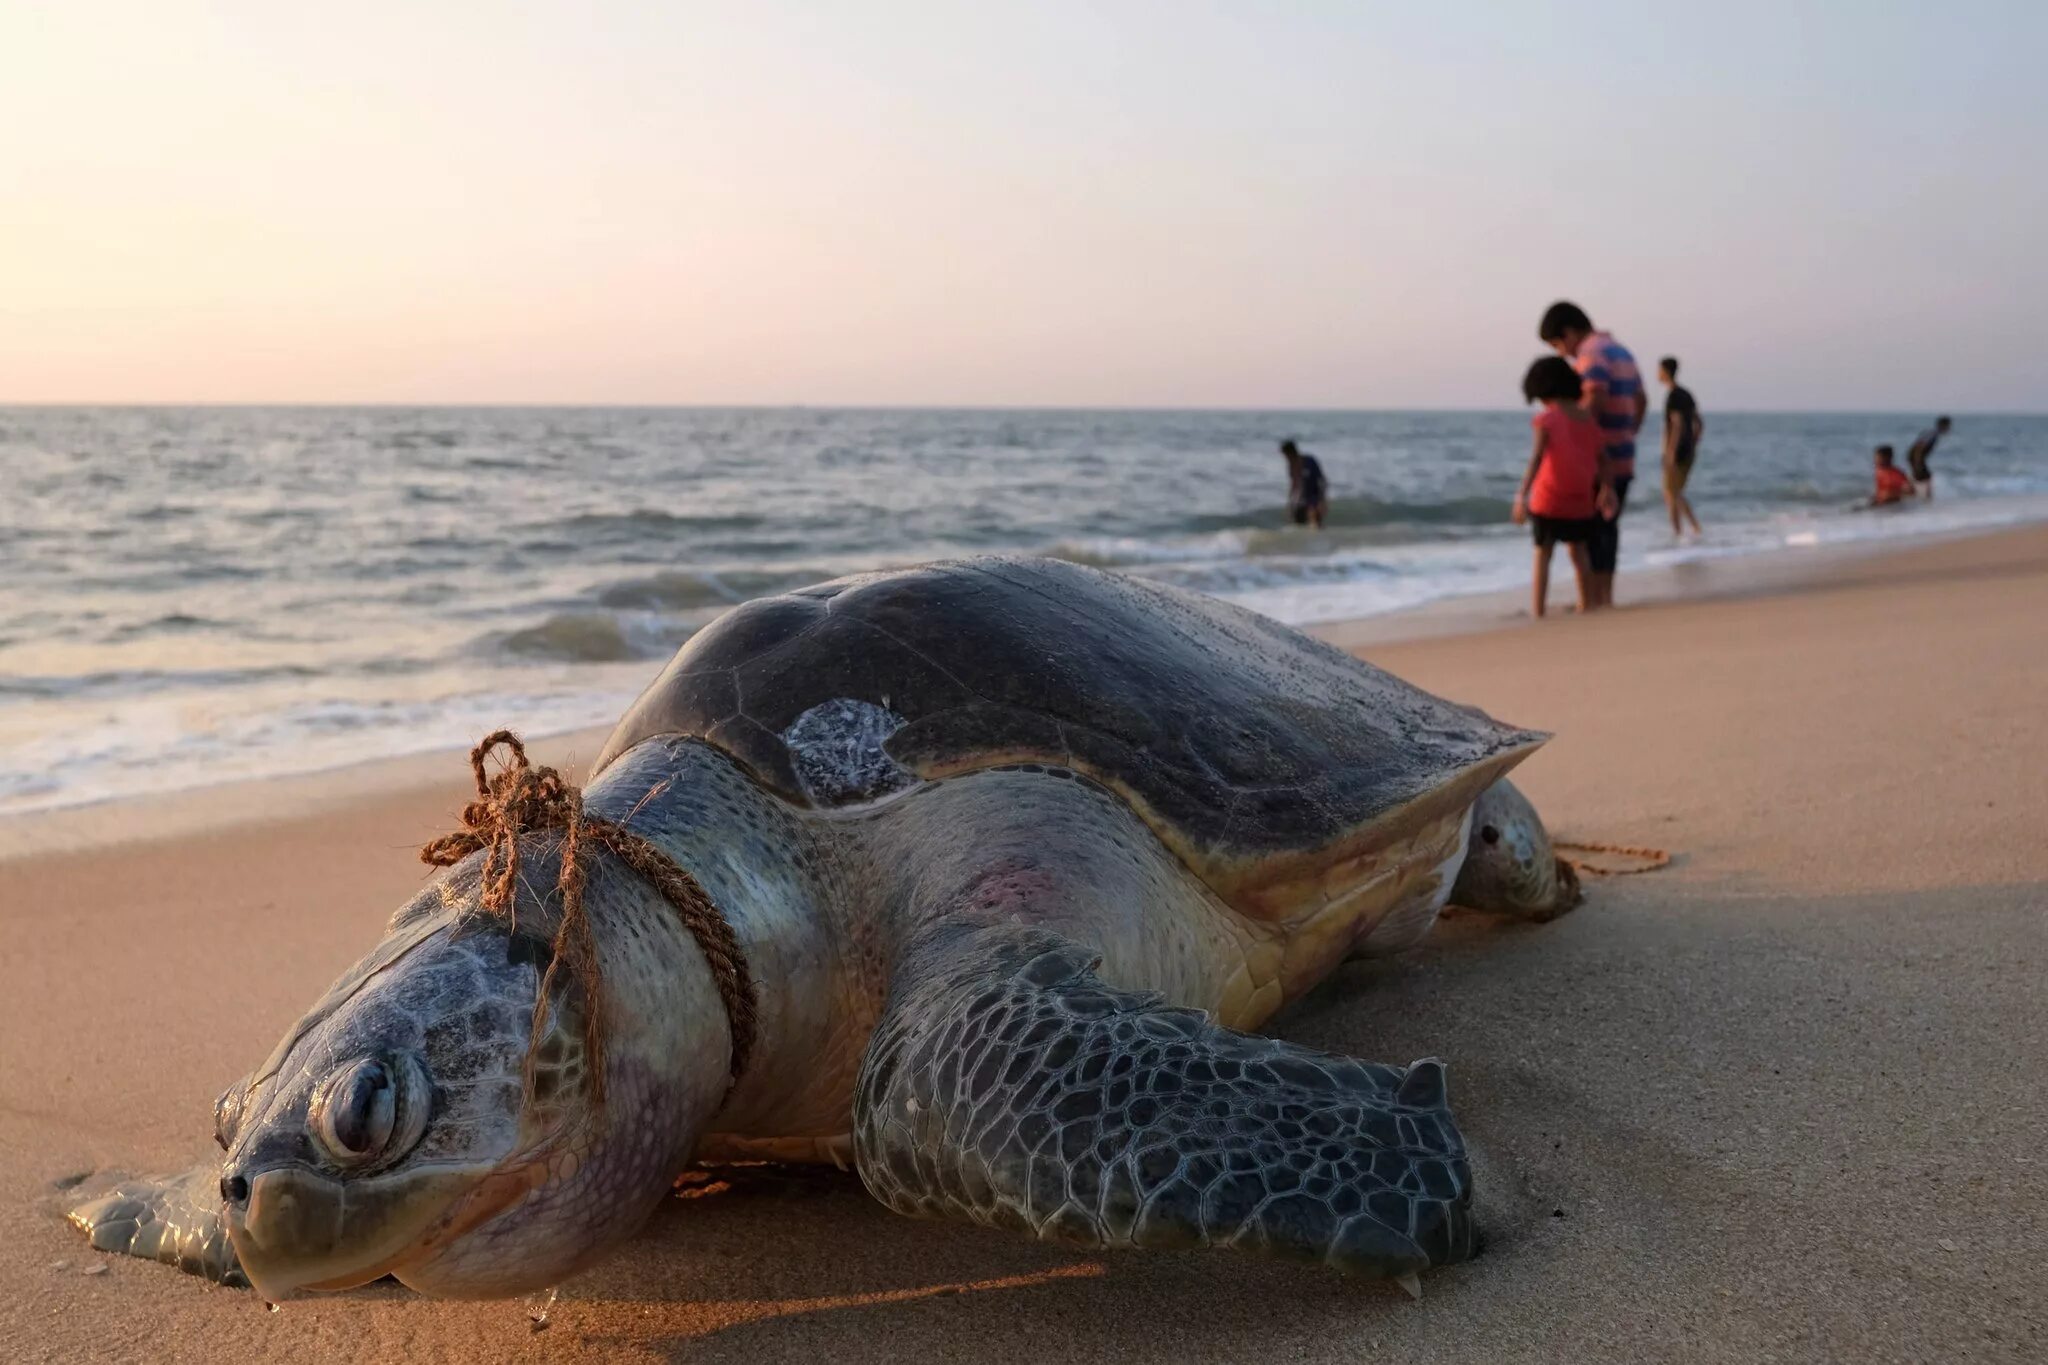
1308	493
1561	498
1682	427
1917	453
1614	393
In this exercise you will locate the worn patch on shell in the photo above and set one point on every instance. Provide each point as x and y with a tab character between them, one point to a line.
836	749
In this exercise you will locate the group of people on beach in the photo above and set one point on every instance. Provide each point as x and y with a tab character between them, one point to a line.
1583	460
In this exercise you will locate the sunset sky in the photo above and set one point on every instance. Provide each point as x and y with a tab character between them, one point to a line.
1345	204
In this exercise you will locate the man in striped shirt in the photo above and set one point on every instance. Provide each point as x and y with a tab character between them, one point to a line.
1614	393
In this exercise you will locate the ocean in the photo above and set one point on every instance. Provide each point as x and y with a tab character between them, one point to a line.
194	595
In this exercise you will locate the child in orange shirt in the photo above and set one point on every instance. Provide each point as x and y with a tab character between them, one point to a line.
1562	497
1892	484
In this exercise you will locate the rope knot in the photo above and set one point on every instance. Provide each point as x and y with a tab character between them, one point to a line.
521	800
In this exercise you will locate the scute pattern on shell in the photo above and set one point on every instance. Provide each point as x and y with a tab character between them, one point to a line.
1006	1084
1238	735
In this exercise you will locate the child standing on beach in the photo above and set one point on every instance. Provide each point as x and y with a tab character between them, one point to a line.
1561	497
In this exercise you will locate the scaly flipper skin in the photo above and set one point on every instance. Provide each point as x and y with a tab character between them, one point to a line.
1008	1086
172	1219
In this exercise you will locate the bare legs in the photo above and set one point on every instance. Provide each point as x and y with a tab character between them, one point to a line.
1603	546
1581	571
1599	590
1678	506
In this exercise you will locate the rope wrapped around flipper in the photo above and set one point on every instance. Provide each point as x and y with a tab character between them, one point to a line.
522	799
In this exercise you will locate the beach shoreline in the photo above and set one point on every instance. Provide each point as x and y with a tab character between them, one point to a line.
305	590
186	811
1780	1099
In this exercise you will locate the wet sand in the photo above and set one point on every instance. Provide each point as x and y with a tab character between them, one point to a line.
1782	1100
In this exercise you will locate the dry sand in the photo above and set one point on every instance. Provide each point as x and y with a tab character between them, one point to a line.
1783	1100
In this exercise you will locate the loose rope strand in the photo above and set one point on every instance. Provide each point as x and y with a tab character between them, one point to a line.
1653	858
522	799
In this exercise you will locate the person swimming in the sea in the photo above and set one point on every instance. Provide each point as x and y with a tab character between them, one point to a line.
1893	487
1308	493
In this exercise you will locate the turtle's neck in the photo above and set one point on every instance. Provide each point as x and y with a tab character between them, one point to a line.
784	885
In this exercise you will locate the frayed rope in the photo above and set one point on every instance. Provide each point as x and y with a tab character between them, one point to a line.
521	799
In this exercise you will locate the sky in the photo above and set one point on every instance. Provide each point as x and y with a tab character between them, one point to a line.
1120	203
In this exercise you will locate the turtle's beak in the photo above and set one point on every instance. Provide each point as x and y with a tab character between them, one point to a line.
296	1229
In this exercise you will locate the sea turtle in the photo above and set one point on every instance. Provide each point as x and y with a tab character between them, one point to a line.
1015	851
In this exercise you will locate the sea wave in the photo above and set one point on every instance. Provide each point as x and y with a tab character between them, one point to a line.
1110	552
1371	511
157	746
686	590
592	637
600	528
171	623
115	684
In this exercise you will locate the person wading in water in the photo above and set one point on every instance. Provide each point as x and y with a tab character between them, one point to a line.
1682	428
1308	493
1918	453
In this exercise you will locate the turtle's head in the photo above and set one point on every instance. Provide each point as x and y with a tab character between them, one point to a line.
1510	866
392	1132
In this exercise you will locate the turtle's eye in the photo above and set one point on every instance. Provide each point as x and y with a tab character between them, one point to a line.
227	1114
371	1111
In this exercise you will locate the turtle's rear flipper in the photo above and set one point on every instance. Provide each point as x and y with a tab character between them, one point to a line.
1007	1085
173	1219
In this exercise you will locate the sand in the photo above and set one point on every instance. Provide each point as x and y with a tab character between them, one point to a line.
1781	1100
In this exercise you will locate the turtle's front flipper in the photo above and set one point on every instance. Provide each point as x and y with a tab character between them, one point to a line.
174	1219
1007	1085
1509	866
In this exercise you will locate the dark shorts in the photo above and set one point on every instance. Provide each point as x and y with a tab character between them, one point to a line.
1549	531
1603	547
1921	473
1299	511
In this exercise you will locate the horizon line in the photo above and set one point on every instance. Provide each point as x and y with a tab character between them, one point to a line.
527	405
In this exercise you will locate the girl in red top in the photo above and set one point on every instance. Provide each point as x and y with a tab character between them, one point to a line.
1565	492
